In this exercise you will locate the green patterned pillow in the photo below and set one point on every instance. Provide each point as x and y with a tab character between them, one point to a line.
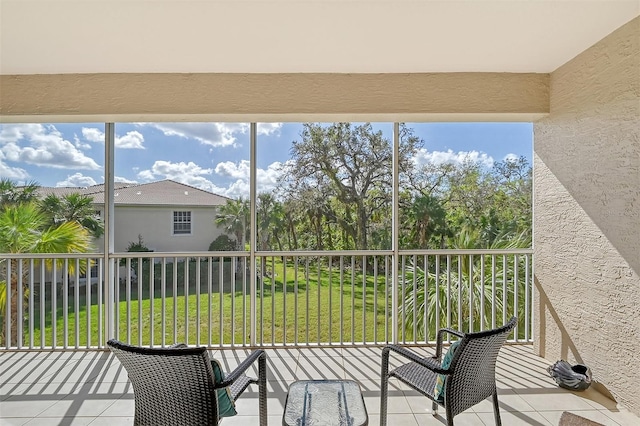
226	405
438	391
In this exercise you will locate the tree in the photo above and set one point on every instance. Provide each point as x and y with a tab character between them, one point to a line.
23	229
292	219
418	305
234	218
513	202
492	200
271	220
353	165
73	207
12	194
424	221
307	201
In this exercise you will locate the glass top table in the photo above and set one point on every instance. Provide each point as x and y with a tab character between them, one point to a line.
325	403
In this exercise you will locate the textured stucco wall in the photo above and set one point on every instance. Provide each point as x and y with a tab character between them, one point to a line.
587	214
156	228
273	97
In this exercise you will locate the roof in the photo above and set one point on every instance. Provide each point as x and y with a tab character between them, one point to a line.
161	193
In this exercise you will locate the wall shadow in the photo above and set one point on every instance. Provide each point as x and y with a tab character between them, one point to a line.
566	344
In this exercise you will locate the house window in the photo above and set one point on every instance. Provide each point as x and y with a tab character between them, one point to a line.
182	222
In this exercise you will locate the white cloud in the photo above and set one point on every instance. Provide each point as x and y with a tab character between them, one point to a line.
77	179
92	134
14	132
11	151
8	172
269	128
171	170
237	189
267	179
214	134
79	144
188	173
147	175
131	140
42	145
120	179
233	170
441	157
15	173
194	175
511	157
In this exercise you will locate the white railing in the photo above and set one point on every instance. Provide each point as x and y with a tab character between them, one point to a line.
300	298
38	314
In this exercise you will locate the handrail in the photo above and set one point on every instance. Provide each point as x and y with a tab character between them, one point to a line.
302	298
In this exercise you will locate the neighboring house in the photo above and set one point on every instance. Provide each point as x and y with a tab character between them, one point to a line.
168	215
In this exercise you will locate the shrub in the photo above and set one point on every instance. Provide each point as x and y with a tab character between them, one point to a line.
138	247
222	243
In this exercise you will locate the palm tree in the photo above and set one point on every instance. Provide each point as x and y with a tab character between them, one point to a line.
73	207
12	194
271	221
424	219
23	229
448	302
234	217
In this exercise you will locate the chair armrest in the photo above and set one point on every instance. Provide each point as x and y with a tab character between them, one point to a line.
441	333
259	355
429	363
178	346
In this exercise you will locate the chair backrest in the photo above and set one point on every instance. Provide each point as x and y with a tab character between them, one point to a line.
474	368
171	386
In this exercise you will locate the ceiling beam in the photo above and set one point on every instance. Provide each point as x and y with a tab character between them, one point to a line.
274	97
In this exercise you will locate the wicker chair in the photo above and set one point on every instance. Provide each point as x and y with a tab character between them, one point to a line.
470	378
175	385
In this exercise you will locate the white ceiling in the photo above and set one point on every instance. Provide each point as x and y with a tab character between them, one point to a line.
71	36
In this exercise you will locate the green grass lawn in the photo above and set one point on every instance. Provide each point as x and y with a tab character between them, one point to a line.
321	315
316	303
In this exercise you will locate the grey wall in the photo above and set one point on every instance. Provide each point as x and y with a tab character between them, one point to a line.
155	224
587	214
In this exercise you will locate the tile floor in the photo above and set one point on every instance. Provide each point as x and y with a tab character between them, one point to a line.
91	388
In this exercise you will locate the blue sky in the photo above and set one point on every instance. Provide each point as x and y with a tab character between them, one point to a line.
215	156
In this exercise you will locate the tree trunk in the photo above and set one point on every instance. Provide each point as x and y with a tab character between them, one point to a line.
329	237
278	242
293	235
362	226
14	311
13	294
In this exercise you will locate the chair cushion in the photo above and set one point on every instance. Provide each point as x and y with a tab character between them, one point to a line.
438	391
226	405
